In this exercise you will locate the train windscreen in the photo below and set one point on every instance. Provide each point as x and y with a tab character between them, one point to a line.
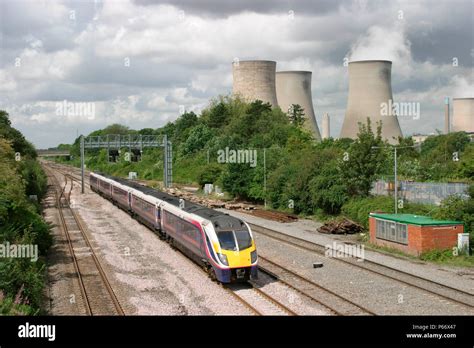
229	240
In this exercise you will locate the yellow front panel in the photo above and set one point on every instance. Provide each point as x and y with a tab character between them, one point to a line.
239	258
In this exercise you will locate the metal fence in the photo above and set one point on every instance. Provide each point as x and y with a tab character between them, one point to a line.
422	192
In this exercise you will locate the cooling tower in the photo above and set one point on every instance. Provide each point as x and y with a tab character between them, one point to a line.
370	88
255	79
326	127
294	87
463	115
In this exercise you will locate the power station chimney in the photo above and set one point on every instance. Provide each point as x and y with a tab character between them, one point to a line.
326	126
370	96
446	116
294	87
255	79
463	115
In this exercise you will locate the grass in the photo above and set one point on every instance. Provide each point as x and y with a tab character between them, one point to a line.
447	257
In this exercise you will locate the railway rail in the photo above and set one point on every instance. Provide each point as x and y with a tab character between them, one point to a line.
335	302
435	288
96	291
252	297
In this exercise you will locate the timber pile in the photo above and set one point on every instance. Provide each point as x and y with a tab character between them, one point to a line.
344	226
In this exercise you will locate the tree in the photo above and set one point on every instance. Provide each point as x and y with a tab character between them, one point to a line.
198	137
362	163
183	126
17	140
296	115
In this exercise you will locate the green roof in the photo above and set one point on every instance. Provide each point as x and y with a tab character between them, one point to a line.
415	219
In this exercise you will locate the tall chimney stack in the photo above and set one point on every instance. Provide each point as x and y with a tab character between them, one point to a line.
326	126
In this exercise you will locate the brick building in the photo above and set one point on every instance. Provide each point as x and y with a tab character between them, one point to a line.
413	234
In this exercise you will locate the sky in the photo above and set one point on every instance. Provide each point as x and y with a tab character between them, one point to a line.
71	67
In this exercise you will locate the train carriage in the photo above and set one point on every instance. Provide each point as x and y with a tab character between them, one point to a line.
223	244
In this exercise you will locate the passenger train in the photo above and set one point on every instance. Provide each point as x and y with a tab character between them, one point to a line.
222	244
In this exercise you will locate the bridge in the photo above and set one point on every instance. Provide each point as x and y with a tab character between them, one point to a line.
52	153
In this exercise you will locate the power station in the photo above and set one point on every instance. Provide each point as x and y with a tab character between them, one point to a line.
294	87
463	115
255	79
370	89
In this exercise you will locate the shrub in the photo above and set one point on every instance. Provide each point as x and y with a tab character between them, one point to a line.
209	174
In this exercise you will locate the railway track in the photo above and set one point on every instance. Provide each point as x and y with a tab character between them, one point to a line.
253	298
435	288
336	303
96	291
333	301
257	300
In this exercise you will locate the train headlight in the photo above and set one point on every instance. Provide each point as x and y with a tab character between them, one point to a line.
223	259
253	256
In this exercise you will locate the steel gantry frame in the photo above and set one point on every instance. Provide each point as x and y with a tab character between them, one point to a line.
135	141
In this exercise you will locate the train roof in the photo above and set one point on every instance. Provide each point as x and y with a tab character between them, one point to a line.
219	219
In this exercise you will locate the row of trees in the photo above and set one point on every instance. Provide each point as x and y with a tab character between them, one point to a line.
21	178
316	177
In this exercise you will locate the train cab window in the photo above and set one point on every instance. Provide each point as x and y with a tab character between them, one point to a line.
227	240
243	239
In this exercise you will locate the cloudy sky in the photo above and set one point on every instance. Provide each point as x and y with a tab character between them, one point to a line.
141	62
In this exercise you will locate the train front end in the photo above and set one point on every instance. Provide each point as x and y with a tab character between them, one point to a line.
234	249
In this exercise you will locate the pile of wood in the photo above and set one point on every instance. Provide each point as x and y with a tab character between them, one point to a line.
275	215
344	226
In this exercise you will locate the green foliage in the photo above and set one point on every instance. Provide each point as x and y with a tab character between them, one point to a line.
358	209
364	161
21	280
296	115
113	129
198	138
218	114
437	154
448	257
17	140
183	126
209	174
237	179
460	209
328	188
466	164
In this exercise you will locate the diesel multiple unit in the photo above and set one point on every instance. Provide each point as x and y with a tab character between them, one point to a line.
222	244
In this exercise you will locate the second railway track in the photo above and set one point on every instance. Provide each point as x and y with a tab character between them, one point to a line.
96	291
435	288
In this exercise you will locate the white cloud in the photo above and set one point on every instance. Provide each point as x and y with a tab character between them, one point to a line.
182	59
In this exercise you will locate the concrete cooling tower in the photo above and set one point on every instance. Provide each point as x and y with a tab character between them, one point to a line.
463	115
369	87
294	87
255	79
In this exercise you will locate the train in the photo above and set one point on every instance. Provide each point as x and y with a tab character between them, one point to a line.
222	244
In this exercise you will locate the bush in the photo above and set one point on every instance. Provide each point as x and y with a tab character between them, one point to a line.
358	209
209	174
460	209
